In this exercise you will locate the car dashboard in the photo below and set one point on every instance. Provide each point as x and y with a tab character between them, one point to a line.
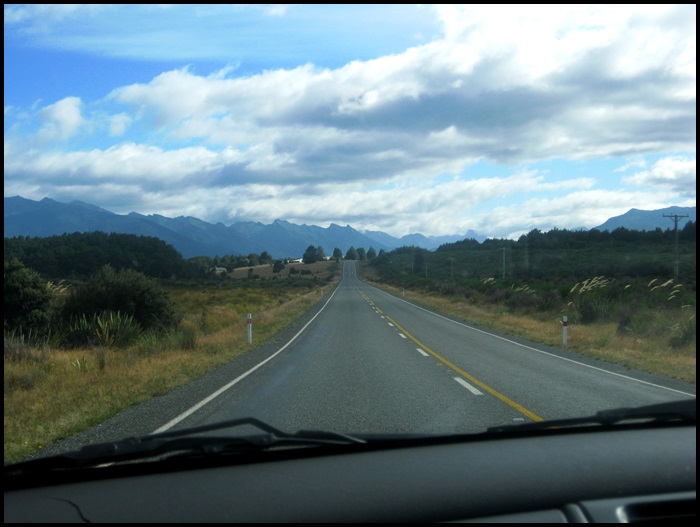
627	474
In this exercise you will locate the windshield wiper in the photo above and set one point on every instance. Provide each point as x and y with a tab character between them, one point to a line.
182	442
676	411
188	442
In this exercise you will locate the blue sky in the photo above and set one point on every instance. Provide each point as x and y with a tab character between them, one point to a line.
412	118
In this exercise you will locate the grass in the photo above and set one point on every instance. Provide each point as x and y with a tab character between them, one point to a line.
52	394
319	269
651	350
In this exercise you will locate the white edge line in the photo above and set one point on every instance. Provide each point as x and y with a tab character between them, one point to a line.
467	386
221	390
534	349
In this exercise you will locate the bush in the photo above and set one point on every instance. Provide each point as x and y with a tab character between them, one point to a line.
108	329
127	292
153	342
27	299
683	333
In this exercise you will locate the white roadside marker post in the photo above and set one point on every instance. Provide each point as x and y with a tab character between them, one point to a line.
565	328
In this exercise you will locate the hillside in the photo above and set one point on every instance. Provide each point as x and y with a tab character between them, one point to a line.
281	239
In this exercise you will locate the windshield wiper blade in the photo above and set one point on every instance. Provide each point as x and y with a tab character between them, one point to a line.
185	441
676	411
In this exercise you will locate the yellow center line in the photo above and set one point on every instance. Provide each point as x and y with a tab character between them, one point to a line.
476	381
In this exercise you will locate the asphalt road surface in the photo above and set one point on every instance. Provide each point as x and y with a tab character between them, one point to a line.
366	361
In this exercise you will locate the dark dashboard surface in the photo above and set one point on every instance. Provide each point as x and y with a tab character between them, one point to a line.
603	476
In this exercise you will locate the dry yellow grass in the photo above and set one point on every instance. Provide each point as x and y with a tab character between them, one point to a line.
59	393
320	269
599	340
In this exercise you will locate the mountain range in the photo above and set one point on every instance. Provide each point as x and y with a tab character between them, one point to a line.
649	220
281	239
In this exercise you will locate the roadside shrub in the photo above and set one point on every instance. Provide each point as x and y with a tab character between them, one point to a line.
626	315
27	299
683	333
548	301
592	309
522	298
79	331
127	292
117	329
152	342
106	329
591	300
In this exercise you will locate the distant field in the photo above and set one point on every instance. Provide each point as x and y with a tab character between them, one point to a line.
320	269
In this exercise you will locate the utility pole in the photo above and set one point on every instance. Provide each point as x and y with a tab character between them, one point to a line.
504	262
676	217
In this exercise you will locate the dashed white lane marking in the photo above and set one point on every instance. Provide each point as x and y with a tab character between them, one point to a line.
468	386
422	352
402	336
392	325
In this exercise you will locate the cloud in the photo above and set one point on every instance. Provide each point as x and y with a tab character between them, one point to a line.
305	123
502	96
669	173
40	16
276	9
61	120
118	124
396	142
578	209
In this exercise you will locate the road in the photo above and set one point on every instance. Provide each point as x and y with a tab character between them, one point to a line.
371	362
365	361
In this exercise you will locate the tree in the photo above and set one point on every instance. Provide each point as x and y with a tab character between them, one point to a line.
371	253
361	254
337	254
310	255
277	266
27	299
418	261
265	258
320	253
351	254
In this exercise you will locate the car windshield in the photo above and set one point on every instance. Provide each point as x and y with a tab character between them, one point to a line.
387	220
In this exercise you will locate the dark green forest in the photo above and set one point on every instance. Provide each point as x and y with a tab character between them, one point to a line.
80	255
77	285
553	257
